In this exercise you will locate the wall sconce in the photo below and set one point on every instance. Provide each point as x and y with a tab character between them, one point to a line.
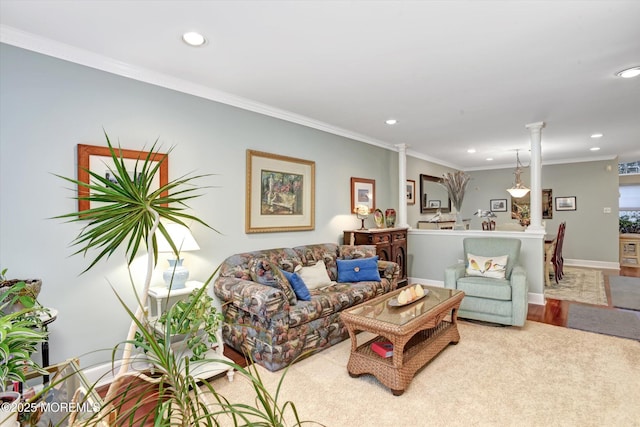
176	275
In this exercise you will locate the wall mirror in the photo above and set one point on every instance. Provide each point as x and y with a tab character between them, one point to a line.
433	196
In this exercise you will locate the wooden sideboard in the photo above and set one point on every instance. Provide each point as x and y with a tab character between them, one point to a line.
391	245
630	250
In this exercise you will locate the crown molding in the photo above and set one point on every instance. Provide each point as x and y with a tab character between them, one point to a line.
422	156
29	41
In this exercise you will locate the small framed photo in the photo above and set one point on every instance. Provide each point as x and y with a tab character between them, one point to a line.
411	192
566	203
498	205
434	203
363	192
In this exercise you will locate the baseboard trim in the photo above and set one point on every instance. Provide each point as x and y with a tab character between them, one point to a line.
592	264
419	281
537	299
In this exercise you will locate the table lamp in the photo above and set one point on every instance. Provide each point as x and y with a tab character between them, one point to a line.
176	275
362	212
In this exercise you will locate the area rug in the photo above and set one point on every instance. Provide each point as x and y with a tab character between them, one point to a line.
537	375
580	285
610	321
625	292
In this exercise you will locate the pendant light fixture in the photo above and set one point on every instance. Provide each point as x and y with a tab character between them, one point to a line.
518	190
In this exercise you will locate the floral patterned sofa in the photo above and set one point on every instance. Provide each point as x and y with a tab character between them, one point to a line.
270	324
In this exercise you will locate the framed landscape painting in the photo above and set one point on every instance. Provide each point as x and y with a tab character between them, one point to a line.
280	193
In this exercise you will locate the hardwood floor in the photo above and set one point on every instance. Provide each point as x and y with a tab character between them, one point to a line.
555	311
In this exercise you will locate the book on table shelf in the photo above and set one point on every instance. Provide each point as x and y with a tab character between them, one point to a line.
383	348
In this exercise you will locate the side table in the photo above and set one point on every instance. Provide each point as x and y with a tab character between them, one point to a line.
159	298
160	295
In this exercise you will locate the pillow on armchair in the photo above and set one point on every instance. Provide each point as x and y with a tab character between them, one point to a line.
492	267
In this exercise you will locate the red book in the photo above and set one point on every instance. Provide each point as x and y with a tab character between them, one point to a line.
383	348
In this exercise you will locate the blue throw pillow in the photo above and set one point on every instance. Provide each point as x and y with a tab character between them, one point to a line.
358	270
299	288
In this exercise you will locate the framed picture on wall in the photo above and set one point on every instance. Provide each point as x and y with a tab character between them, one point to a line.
547	204
363	192
97	161
411	192
280	193
566	203
498	205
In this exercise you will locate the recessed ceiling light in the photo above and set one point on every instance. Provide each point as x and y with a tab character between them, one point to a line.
471	150
391	121
194	39
594	148
629	73
489	158
597	135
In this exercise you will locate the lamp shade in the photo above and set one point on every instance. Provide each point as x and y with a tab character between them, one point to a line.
518	192
181	236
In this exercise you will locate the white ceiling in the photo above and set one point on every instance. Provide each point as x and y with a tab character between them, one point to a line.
456	74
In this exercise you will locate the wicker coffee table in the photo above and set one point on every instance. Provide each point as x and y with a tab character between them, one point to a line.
418	332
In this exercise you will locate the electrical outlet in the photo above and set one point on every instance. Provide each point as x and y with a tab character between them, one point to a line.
607	210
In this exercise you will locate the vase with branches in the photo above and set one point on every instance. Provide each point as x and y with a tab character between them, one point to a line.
456	185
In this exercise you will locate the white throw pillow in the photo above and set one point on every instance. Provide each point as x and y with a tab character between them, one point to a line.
314	276
493	267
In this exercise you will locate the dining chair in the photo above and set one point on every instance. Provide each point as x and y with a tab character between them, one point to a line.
557	260
489	225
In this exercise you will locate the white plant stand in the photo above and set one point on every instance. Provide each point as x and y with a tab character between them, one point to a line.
215	362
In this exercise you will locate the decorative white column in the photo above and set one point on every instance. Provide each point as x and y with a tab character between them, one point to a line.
402	186
536	177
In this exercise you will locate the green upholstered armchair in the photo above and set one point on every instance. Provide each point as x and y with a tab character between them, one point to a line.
494	300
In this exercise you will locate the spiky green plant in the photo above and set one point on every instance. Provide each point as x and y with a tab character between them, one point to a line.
127	207
127	212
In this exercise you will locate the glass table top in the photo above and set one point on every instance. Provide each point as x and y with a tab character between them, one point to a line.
380	309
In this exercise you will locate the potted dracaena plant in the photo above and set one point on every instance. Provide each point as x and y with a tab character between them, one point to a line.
129	215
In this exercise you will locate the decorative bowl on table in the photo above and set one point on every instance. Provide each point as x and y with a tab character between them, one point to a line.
409	295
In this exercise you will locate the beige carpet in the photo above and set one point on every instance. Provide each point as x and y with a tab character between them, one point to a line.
538	375
580	285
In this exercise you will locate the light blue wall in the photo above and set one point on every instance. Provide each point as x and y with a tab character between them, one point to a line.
48	106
